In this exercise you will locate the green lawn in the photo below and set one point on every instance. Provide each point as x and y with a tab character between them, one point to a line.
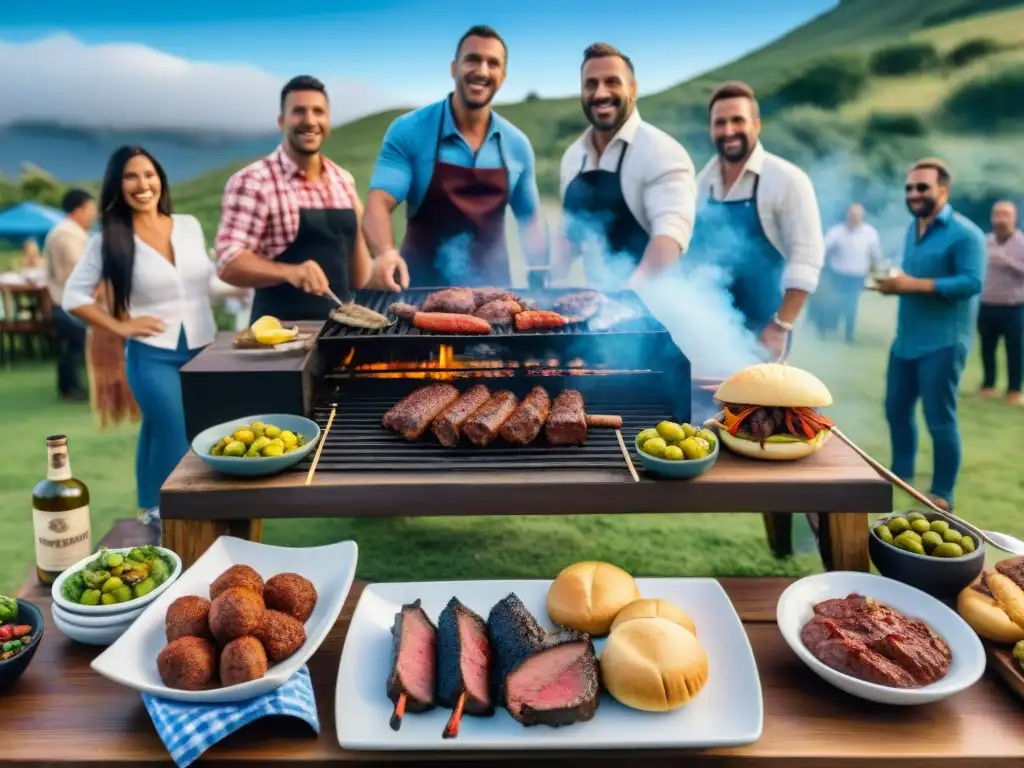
991	490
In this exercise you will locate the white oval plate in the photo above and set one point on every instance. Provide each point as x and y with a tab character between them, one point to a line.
795	610
131	661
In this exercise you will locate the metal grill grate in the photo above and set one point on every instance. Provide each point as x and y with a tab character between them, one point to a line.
358	442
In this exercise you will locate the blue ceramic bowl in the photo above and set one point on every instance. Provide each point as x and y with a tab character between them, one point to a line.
265	465
682	469
938	576
11	669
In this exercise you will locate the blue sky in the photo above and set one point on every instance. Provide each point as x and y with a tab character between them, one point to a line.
403	46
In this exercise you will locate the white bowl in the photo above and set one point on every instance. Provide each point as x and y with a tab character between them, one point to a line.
131	661
104	635
117	608
795	610
97	622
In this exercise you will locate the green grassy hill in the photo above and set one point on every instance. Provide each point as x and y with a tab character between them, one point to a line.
852	96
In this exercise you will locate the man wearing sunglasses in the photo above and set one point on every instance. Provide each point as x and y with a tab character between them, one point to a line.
939	289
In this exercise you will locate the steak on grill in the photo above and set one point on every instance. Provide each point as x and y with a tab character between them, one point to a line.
567	424
528	418
482	427
579	306
541	678
411	415
448	426
459	301
483	296
463	660
411	681
499	311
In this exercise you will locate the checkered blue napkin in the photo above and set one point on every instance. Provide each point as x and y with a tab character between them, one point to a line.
188	730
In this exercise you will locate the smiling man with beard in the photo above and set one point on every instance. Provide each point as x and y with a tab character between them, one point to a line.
628	188
290	223
757	220
939	288
457	165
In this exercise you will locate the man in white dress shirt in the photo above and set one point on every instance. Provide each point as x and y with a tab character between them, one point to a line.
757	220
628	189
852	250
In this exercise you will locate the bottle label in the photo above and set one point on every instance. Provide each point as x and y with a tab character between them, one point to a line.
62	538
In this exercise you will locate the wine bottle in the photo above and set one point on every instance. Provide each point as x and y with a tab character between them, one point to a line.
60	515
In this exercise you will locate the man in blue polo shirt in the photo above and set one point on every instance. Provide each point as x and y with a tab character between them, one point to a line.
939	289
456	164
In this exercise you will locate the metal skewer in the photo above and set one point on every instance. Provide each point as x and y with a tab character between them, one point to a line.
625	455
320	447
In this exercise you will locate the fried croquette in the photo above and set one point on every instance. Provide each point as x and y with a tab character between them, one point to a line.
292	594
235	612
281	635
237	576
188	663
188	616
242	660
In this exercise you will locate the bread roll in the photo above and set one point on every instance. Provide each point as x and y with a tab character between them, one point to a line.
653	664
988	616
588	596
654	607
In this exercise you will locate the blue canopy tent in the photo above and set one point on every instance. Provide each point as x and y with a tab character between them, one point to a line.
26	220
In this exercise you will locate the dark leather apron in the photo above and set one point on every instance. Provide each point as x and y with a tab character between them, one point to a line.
594	205
326	236
457	235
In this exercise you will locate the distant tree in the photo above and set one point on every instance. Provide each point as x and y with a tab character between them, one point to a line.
971	51
904	59
826	83
989	100
39	186
532	96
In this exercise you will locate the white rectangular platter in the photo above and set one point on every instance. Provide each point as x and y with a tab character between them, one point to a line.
131	660
727	712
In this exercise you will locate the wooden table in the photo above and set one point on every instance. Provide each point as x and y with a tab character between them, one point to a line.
61	713
198	505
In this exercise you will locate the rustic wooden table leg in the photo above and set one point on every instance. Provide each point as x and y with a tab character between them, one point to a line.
843	541
779	528
190	538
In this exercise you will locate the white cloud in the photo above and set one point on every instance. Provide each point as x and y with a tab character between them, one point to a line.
132	86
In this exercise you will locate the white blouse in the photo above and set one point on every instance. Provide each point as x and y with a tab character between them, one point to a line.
178	294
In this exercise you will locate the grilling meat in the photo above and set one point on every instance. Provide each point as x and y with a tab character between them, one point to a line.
540	677
486	295
410	684
499	311
449	322
463	664
459	301
538	319
403	310
358	316
411	415
567	423
448	426
482	427
774	423
579	306
528	418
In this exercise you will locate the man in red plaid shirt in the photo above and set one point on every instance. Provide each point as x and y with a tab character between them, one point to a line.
291	223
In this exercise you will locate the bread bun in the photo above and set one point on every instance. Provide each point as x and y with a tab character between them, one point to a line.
774	384
588	596
787	451
653	608
653	664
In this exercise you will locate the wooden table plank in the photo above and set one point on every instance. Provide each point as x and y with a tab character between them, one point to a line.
62	713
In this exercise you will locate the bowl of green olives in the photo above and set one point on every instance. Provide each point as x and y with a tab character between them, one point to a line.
923	549
677	451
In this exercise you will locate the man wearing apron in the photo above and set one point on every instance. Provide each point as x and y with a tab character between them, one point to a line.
757	221
290	223
628	189
457	165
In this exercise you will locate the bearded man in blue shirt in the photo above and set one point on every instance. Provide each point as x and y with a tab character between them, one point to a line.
939	290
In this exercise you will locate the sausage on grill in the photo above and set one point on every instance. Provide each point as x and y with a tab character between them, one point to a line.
449	322
483	426
539	319
526	422
411	415
567	424
448	426
403	310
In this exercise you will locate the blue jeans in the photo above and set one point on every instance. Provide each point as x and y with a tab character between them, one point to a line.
934	379
156	384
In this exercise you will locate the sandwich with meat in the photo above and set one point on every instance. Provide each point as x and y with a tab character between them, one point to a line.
771	412
993	605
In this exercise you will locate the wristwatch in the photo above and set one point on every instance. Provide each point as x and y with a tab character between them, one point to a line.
781	323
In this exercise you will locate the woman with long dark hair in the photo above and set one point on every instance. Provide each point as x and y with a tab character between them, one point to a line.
154	269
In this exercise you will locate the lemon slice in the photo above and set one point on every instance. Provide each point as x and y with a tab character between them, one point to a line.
265	323
272	336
